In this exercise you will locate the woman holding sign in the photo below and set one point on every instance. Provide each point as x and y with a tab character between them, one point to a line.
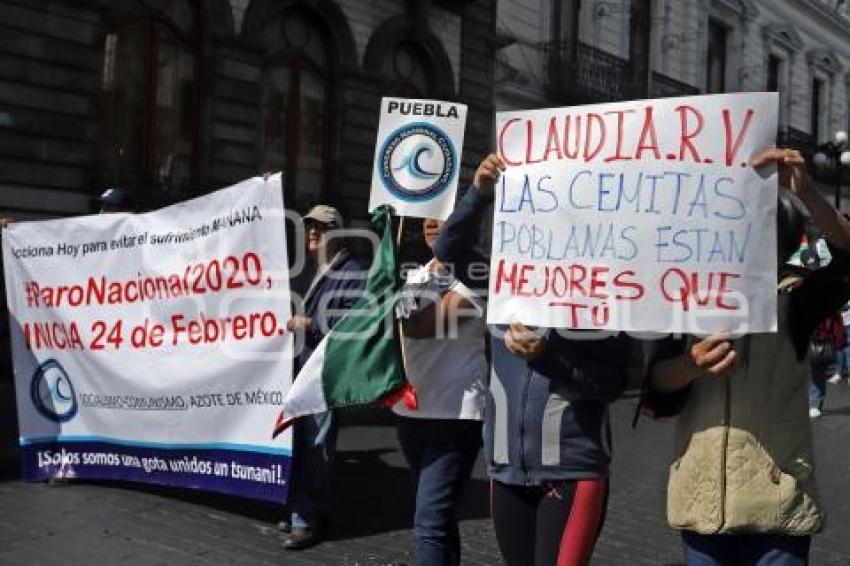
546	432
741	488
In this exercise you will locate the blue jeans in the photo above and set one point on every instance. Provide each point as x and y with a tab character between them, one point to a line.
314	446
817	387
746	550
441	454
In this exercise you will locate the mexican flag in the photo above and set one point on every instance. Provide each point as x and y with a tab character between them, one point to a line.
359	362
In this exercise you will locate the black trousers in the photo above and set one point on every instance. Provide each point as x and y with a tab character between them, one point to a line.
552	524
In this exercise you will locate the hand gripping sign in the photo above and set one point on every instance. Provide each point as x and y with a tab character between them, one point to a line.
641	215
417	157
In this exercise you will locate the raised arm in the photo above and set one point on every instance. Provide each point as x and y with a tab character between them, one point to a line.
792	174
456	245
823	292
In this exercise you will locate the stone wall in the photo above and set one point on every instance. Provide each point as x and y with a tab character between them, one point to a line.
50	67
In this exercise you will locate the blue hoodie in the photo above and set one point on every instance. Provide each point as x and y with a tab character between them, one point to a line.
546	419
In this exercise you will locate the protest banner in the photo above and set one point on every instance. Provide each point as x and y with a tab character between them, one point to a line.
640	216
417	157
152	347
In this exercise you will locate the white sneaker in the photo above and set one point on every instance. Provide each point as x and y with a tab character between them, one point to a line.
836	378
814	413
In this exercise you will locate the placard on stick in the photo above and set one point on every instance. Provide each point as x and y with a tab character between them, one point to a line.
417	157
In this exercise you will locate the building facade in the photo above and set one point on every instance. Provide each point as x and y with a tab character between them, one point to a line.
582	51
178	97
174	98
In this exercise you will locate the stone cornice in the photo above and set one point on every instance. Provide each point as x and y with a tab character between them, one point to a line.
824	59
785	35
828	16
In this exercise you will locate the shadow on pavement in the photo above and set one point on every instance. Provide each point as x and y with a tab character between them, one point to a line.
370	496
255	509
373	497
843	411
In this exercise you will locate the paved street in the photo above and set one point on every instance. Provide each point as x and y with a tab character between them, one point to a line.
108	524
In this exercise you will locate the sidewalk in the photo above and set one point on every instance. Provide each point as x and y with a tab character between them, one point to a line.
89	523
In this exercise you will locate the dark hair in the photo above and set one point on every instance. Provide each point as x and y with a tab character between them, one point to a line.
790	226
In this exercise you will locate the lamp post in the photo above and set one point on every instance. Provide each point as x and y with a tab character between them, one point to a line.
831	161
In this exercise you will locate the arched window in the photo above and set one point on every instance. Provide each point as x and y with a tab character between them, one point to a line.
410	71
295	108
149	106
411	61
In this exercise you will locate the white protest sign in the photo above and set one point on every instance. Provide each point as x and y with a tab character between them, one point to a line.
417	157
641	215
152	347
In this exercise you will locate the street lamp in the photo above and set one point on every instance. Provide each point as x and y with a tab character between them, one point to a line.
832	161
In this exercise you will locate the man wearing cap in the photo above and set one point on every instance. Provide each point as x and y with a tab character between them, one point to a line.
116	199
338	282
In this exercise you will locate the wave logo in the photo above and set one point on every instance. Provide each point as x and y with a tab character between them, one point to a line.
418	162
53	393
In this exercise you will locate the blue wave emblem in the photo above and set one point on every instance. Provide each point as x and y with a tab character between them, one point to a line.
411	163
56	393
52	392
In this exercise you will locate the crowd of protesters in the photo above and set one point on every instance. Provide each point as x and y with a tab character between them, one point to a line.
741	487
